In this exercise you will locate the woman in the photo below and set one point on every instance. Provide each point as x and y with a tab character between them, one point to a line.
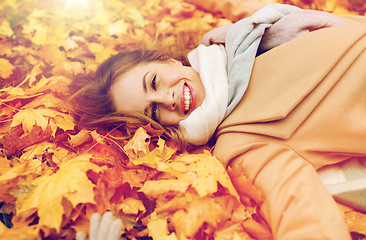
276	117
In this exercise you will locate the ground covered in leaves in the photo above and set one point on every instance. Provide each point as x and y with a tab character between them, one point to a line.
54	174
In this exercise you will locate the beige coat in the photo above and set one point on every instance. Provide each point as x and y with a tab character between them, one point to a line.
305	107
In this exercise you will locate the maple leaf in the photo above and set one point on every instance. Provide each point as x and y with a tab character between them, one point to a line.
232	232
21	233
6	68
31	77
81	137
100	52
158	187
131	206
16	139
138	146
69	182
158	228
10	93
205	210
67	68
40	117
8	179
5	28
51	54
29	118
136	16
156	158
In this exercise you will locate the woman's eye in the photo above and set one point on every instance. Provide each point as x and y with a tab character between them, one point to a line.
153	83
154	110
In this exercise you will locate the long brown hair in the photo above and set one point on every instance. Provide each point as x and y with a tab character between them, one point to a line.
93	104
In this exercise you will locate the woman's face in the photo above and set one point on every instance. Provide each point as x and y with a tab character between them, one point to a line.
164	91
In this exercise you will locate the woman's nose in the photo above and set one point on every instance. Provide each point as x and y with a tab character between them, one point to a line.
166	99
170	101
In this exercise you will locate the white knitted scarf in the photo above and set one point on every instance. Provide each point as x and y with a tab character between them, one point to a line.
211	64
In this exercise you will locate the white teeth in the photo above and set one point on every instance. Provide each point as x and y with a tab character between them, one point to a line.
187	98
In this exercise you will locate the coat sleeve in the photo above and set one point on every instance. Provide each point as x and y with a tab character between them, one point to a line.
296	204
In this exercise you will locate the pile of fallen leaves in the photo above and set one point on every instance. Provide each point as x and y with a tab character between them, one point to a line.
54	175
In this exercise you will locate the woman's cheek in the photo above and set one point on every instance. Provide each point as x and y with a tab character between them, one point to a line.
170	118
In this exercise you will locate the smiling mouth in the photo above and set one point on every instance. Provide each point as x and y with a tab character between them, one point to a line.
187	98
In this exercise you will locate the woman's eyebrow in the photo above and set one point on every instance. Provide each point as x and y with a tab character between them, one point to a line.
144	85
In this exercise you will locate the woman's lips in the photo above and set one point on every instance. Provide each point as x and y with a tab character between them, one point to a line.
188	100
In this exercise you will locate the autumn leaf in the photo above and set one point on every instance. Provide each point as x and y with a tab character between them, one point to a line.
69	182
158	228
157	157
6	68
159	187
138	146
5	28
21	233
10	93
29	118
136	16
82	137
131	206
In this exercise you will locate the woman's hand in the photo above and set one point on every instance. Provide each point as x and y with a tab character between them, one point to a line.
215	36
102	228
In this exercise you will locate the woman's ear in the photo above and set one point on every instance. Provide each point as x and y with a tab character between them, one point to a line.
174	61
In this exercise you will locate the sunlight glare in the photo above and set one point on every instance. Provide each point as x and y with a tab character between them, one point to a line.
77	3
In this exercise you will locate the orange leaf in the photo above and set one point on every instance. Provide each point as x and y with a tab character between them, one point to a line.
138	146
6	68
69	182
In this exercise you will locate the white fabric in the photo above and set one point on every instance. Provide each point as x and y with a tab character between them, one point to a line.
344	175
210	62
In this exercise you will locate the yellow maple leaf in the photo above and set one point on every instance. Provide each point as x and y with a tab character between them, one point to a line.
131	206
67	68
21	233
118	28
5	28
29	118
80	138
205	171
101	53
187	222
17	93
69	44
31	77
36	31
62	121
12	173
159	187
6	68
158	228
40	117
48	101
136	16
69	182
37	150
156	158
138	146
